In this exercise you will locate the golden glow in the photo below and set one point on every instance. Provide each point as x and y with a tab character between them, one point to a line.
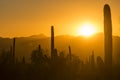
86	30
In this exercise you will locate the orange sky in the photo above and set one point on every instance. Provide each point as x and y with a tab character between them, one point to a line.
28	17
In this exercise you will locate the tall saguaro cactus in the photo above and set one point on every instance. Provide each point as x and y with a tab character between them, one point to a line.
92	60
70	54
39	48
107	36
14	41
52	41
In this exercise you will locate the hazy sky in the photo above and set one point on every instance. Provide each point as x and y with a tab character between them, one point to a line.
28	17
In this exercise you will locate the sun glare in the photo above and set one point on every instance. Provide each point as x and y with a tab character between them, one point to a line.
86	30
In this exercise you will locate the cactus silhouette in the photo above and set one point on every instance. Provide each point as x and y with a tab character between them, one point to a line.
107	36
14	41
92	60
52	42
39	48
70	54
37	56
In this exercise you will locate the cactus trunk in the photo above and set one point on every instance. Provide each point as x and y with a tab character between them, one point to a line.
52	42
14	41
107	36
70	54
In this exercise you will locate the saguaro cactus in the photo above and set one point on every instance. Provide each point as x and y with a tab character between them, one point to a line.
52	41
39	48
70	54
14	41
107	36
92	60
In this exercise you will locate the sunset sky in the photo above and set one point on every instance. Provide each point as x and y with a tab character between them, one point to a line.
29	17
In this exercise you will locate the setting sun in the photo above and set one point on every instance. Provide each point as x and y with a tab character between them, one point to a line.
87	30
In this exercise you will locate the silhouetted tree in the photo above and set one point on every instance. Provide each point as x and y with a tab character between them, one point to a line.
100	63
62	58
61	54
37	56
6	57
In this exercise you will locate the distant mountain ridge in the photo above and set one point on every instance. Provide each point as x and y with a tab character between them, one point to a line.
39	36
